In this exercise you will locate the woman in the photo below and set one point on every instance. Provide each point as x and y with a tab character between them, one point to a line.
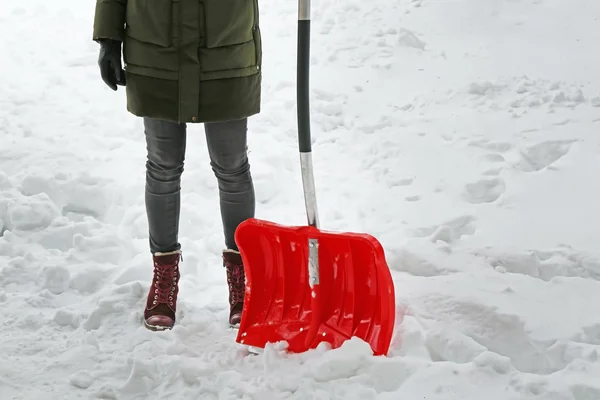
187	61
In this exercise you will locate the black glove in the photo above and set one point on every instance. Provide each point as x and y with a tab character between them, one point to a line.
109	61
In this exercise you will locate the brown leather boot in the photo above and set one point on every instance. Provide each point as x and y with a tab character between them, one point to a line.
161	304
236	280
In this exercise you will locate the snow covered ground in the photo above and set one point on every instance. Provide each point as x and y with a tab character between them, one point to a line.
462	134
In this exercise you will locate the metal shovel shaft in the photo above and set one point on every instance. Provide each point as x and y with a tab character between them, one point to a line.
306	165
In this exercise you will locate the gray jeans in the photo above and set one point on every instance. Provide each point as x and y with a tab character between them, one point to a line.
227	148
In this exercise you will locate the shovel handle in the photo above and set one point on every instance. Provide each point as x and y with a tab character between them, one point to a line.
306	165
304	139
302	91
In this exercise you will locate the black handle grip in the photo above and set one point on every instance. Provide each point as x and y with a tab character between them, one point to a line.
304	139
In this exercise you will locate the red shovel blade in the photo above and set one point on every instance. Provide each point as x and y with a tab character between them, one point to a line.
354	296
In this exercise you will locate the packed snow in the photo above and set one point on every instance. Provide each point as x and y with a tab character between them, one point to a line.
462	134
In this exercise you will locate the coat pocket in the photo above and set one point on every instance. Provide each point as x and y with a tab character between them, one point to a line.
150	21
228	22
258	46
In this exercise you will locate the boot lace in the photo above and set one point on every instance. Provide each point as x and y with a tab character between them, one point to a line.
236	280
165	284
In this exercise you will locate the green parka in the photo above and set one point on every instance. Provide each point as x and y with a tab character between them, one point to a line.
187	60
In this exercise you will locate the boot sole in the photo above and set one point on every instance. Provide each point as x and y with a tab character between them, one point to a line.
157	328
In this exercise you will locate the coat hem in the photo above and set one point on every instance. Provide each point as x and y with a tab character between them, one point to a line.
201	120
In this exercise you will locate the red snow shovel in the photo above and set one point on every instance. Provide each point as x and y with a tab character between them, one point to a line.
304	285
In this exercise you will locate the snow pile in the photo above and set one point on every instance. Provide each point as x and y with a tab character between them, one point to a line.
462	135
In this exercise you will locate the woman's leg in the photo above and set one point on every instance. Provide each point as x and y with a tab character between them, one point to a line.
165	143
227	147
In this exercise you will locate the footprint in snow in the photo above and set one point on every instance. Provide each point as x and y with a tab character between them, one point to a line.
493	172
472	330
408	38
449	231
543	155
494	157
500	147
546	265
484	191
411	263
400	182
